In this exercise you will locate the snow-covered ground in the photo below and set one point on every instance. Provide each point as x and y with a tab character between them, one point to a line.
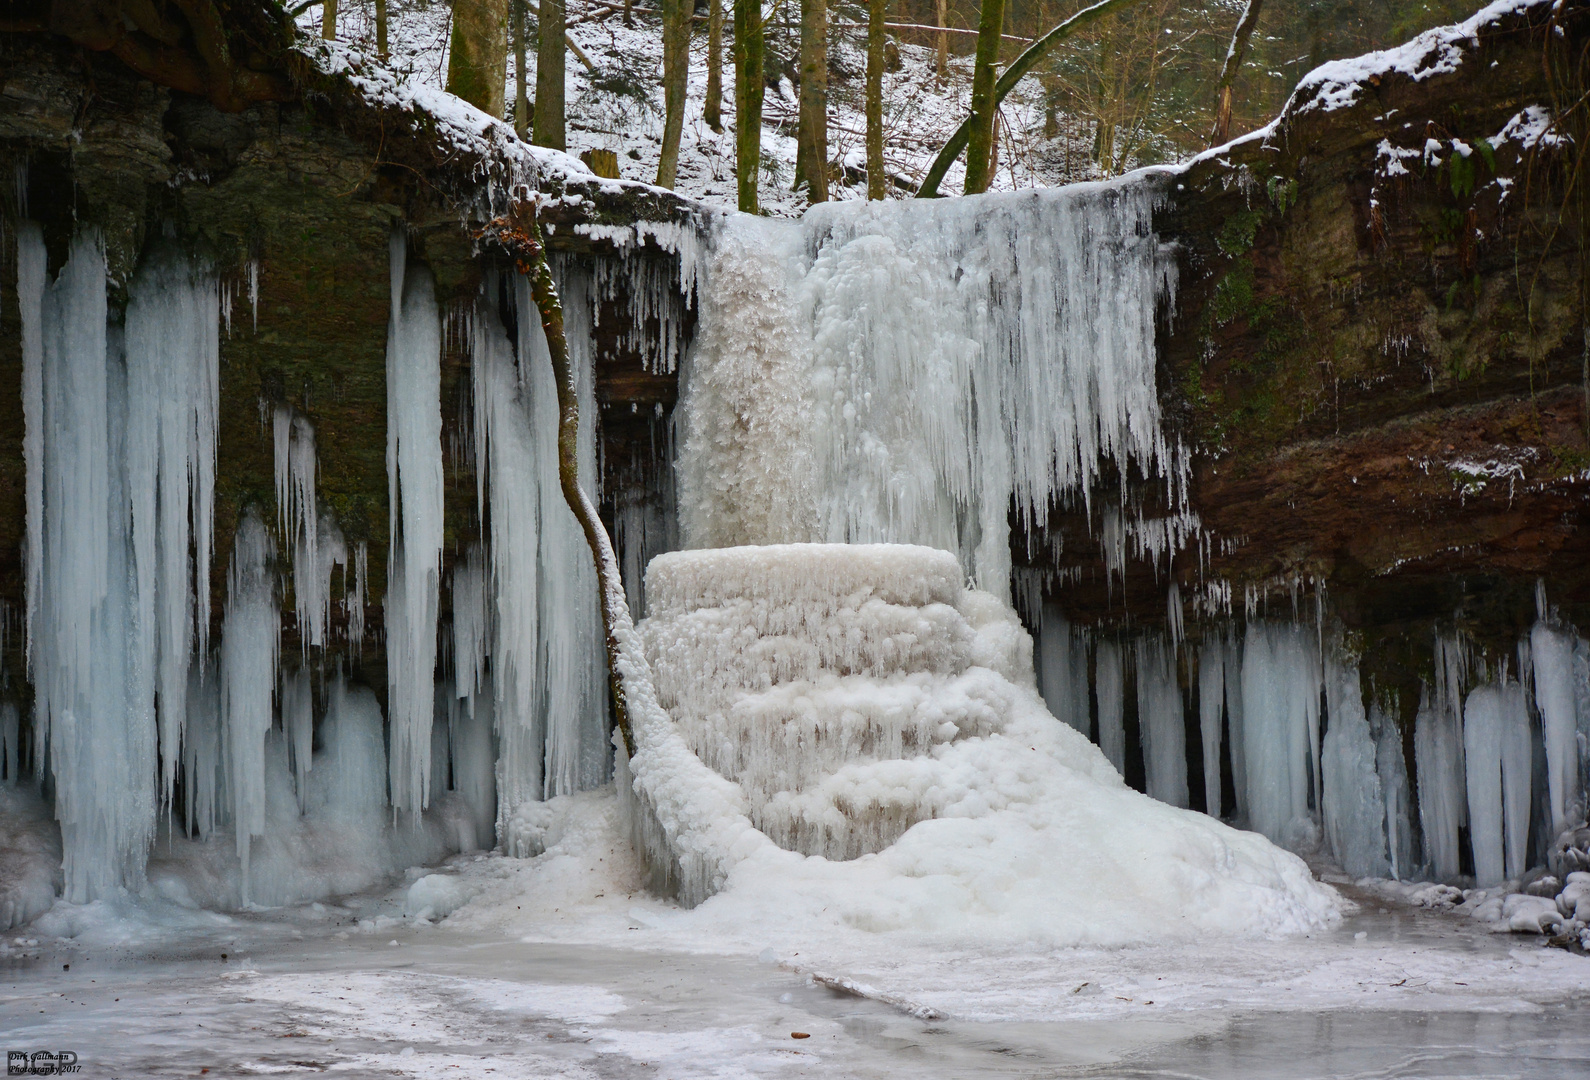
562	965
619	107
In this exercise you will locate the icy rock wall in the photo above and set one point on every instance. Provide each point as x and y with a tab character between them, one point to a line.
119	450
903	372
1312	753
803	672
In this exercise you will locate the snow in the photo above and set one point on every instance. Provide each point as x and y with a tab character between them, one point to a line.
1440	51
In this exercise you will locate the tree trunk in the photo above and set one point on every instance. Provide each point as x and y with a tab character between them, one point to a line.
875	167
748	89
548	121
712	110
477	58
380	29
676	71
944	41
1029	59
811	153
328	20
1228	71
979	144
521	98
530	256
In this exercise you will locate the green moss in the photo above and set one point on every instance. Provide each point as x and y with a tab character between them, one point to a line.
1233	297
1237	234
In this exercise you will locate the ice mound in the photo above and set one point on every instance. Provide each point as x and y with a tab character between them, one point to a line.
879	724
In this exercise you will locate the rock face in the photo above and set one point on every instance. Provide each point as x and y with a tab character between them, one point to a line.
1377	348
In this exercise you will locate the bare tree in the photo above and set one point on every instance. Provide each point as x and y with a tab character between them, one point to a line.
712	110
521	99
944	41
811	145
547	124
980	139
748	87
328	20
676	72
380	29
477	56
1228	71
876	13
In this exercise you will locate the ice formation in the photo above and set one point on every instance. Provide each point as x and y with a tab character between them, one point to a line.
120	473
250	638
547	659
904	372
856	698
414	489
308	532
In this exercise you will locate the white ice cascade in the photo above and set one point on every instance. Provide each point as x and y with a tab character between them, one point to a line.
905	371
173	390
310	535
119	449
250	644
546	658
414	483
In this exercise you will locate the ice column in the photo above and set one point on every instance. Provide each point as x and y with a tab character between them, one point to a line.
1552	653
1498	755
547	662
250	642
173	388
1391	766
93	690
414	483
1110	681
1159	714
1063	670
1211	713
1353	807
1280	707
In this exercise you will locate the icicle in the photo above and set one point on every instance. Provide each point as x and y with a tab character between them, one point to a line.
1392	769
414	481
901	372
298	722
1438	745
471	625
249	651
1551	651
1211	715
1498	756
1159	715
173	382
571	640
354	599
1111	692
92	690
509	472
1280	707
203	762
1353	807
1063	670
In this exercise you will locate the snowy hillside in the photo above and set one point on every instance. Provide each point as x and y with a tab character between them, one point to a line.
619	105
